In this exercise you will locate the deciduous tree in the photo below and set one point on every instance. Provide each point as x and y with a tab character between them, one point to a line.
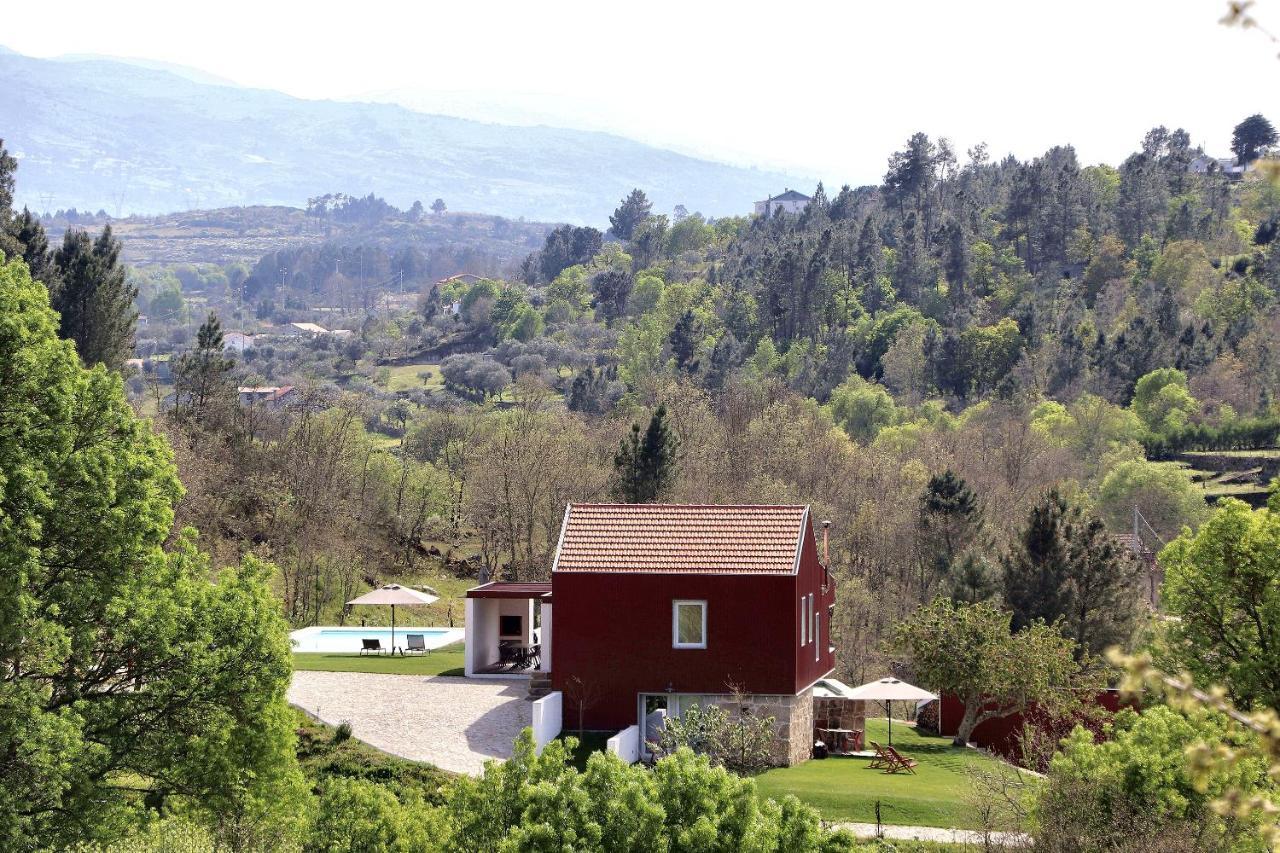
1223	584
124	664
969	650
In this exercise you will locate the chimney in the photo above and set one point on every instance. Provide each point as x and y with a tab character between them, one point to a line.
826	537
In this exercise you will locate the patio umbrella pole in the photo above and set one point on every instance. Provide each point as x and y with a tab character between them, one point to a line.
393	635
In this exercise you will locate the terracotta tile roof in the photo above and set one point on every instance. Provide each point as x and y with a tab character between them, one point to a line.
505	589
740	539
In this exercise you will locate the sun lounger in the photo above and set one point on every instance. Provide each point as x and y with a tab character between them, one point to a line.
899	762
416	643
882	759
371	646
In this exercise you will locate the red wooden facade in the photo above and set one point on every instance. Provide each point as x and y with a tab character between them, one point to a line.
614	597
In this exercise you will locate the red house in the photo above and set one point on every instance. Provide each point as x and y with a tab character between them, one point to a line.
660	607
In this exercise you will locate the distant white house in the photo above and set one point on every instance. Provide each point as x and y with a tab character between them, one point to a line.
1203	164
342	334
236	341
301	329
789	202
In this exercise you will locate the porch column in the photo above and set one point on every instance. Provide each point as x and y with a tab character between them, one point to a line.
544	664
469	640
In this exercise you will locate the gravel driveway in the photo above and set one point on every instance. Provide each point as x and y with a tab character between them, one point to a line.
454	723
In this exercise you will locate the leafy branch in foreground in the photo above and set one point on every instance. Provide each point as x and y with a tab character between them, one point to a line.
1180	692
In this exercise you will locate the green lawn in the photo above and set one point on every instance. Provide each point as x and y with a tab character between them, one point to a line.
443	661
404	377
846	789
591	741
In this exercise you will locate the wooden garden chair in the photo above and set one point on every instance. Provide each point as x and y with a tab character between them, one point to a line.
882	759
899	762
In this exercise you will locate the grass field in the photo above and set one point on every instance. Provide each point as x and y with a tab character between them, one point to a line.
444	661
404	377
846	789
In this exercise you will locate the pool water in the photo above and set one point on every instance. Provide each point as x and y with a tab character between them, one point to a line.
335	639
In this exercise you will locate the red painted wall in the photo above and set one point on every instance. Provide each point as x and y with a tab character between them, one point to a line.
1002	734
809	579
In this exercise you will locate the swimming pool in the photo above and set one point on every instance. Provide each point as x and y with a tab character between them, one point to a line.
333	639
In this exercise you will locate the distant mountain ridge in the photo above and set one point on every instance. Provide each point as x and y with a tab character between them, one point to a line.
100	133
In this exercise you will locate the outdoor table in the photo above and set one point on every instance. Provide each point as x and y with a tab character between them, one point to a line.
839	740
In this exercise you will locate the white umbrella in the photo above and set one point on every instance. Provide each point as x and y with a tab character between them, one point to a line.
394	594
890	690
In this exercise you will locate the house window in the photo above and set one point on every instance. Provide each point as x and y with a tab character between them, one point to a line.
689	624
804	619
510	626
817	632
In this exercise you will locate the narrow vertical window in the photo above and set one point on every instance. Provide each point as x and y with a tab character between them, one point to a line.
804	619
816	633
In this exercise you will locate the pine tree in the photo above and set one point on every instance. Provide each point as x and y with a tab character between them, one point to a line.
1066	567
951	520
33	245
1251	138
646	462
94	299
685	339
634	209
201	373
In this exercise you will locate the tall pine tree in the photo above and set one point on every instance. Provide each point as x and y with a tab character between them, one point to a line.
1065	566
634	209
94	299
200	375
646	462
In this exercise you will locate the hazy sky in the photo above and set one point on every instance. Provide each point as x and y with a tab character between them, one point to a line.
827	90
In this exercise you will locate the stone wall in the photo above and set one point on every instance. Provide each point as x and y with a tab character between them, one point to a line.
792	722
836	712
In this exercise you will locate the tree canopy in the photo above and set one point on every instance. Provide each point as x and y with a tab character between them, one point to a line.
969	650
1223	584
123	660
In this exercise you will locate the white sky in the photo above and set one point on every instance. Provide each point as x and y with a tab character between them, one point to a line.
827	90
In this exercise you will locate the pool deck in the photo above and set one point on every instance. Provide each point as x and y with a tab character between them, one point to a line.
457	724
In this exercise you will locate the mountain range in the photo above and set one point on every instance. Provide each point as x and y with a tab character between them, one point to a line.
140	138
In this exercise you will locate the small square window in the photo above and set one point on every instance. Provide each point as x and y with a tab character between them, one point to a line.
689	624
511	626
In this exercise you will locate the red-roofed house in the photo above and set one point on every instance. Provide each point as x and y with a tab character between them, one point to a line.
660	607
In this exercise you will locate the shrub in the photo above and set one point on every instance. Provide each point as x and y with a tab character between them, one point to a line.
742	743
1135	790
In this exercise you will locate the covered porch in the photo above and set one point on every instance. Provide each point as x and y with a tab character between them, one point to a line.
508	630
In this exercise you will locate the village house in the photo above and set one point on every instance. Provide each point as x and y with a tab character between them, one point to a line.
295	330
271	396
658	608
236	342
789	202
